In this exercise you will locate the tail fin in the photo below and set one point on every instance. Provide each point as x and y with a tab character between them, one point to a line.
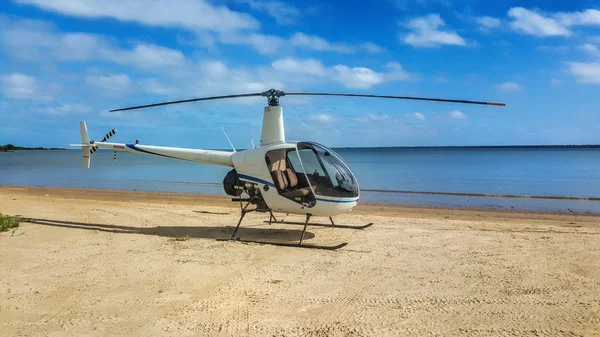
85	150
87	147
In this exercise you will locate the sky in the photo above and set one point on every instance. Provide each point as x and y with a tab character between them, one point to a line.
64	61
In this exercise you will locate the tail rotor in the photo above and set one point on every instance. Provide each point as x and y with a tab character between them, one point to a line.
87	146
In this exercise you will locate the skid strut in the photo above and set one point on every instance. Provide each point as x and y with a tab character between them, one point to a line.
245	210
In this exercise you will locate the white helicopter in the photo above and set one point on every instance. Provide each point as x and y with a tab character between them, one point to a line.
303	178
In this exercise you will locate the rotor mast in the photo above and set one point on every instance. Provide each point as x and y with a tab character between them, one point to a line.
272	127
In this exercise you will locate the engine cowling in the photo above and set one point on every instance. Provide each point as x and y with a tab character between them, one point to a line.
232	184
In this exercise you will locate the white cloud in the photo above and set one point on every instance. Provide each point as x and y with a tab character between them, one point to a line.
154	86
312	42
509	87
356	77
374	118
39	41
283	14
323	118
214	69
67	109
585	72
534	23
189	14
305	66
378	117
488	22
23	35
416	115
426	32
555	82
145	56
34	40
350	77
590	17
457	115
264	44
19	86
396	72
554	49
590	48
113	82
371	47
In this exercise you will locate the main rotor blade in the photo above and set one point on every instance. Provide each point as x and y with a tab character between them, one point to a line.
397	97
187	101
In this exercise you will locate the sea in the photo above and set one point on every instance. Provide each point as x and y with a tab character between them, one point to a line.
556	179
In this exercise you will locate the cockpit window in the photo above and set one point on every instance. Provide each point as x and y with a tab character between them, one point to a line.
326	171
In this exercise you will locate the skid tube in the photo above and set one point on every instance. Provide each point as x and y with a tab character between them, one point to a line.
323	224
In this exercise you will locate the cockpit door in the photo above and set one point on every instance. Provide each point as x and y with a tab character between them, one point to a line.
289	177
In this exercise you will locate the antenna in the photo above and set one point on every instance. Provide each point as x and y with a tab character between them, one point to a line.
225	133
250	135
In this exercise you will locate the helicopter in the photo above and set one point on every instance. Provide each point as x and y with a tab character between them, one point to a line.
303	178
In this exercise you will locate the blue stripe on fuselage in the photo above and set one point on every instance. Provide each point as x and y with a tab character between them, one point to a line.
132	146
256	180
329	200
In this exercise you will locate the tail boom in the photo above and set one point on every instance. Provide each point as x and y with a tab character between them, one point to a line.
196	155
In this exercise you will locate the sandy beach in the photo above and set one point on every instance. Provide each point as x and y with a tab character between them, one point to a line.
107	263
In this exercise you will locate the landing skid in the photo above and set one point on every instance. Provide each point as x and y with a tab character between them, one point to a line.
272	219
283	244
322	224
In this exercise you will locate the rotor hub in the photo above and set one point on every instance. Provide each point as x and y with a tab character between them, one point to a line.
272	96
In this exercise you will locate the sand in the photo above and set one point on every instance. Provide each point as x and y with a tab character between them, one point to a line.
105	263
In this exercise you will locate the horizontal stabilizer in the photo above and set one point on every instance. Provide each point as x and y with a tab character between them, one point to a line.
82	145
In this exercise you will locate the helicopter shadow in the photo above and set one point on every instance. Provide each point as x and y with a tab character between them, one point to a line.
201	232
213	213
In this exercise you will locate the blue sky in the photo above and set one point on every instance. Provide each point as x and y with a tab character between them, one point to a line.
70	60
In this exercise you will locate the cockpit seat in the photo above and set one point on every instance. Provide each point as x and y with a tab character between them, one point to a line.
284	177
296	193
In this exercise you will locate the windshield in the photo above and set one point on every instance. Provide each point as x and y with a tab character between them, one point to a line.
326	171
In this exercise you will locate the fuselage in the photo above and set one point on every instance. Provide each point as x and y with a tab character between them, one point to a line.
329	185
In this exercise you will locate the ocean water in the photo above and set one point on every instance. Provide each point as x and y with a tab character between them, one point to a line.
421	176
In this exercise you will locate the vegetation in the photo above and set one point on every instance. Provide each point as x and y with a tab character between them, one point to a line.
10	147
8	222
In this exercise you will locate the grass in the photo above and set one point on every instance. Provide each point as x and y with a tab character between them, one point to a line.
8	222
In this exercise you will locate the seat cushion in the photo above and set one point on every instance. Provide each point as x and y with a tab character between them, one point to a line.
297	193
280	180
291	177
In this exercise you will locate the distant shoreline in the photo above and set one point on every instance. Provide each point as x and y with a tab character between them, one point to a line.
440	147
588	146
12	148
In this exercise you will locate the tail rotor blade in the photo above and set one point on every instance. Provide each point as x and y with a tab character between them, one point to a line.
108	135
